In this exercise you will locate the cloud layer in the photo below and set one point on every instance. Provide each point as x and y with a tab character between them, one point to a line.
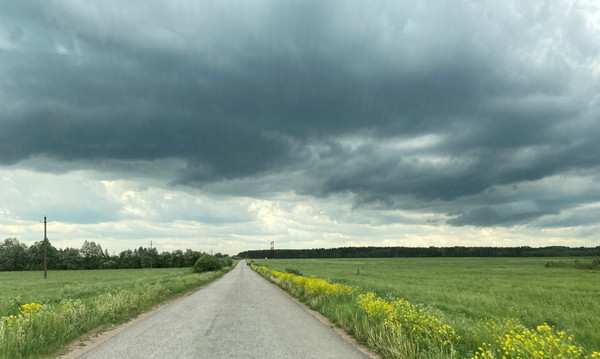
487	114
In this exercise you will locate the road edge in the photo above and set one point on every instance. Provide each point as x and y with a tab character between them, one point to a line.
99	335
323	319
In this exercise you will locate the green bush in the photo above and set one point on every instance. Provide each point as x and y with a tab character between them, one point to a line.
293	271
595	264
110	264
227	261
208	263
556	264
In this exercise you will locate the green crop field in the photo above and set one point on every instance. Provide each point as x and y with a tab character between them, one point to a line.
464	292
40	316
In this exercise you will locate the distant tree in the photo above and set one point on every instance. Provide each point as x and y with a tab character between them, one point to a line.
92	255
154	257
109	264
115	258
148	257
13	255
136	261
141	254
127	260
177	258
190	257
70	258
36	256
457	251
164	260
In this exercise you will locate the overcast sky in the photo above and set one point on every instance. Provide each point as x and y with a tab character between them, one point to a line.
225	125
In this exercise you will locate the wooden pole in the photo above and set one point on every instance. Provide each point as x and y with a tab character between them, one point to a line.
45	250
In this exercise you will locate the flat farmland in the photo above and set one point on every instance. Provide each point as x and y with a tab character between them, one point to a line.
464	292
40	316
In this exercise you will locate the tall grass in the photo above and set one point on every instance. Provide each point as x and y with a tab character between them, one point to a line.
396	329
461	300
39	317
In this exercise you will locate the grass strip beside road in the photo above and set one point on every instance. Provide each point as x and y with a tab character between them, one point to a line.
395	328
40	317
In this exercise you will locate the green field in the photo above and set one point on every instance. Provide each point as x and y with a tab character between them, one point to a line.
465	291
74	302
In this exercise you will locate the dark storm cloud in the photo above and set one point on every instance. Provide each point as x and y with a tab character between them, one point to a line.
241	90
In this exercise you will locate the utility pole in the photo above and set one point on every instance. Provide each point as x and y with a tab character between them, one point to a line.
45	250
151	254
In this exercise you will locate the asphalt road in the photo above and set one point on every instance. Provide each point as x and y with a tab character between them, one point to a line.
241	315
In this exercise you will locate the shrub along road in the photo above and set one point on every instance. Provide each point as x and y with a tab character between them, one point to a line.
240	315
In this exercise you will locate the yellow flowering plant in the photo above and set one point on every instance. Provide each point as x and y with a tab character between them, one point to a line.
513	340
300	285
28	311
31	309
402	318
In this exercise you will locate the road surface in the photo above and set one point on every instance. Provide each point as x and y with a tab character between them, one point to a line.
241	315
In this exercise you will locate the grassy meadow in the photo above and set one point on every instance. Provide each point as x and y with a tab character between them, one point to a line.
467	292
38	316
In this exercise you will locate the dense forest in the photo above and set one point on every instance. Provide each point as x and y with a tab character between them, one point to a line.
17	256
376	252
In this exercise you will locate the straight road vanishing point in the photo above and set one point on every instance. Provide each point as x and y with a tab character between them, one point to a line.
241	315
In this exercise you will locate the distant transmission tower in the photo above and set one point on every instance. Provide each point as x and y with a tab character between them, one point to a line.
272	245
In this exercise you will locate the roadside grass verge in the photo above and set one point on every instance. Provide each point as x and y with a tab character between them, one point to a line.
395	328
463	291
40	317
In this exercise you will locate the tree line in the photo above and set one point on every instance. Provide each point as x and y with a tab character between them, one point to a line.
17	256
382	252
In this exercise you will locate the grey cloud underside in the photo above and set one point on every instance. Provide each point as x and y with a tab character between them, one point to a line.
274	92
